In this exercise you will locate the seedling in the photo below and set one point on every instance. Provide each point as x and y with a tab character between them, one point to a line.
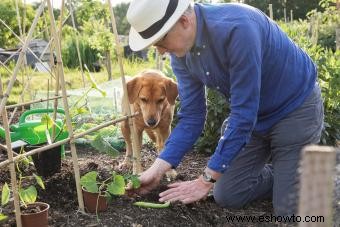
115	185
28	194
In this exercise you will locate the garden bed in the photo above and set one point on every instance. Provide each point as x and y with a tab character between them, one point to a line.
60	193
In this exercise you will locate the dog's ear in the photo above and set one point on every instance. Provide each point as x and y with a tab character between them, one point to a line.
171	91
133	88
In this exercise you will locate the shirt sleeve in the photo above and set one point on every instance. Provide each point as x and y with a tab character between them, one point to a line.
244	52
191	114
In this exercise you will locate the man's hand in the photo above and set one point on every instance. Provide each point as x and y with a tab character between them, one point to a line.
187	191
151	177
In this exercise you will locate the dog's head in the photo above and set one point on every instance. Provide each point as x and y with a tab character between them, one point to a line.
152	91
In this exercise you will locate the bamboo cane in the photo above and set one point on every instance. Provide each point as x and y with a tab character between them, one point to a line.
60	70
18	17
137	167
21	56
12	166
31	102
56	90
77	44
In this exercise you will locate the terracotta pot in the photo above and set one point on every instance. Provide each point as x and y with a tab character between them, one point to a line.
90	201
38	219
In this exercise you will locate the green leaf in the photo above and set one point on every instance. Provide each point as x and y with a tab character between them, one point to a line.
5	194
28	195
89	182
117	187
93	82
25	161
3	217
39	181
81	110
135	181
102	145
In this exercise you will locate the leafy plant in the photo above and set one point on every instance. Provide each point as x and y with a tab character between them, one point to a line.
27	192
217	111
113	185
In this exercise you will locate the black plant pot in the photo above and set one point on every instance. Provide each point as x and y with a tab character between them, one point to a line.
48	162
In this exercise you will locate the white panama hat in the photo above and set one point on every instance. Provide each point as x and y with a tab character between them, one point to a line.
150	20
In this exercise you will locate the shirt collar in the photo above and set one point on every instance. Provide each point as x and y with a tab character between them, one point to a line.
199	30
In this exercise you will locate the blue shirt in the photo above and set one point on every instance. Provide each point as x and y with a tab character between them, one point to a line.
246	56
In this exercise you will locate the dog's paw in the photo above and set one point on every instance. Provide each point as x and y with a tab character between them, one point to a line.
171	175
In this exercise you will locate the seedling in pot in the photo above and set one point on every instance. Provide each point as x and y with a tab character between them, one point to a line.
27	194
114	185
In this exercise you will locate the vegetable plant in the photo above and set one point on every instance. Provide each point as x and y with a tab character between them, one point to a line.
114	185
27	191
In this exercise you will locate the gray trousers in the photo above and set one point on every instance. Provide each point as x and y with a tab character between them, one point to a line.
249	177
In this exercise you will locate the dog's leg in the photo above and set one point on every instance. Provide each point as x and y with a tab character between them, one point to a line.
138	168
151	135
127	162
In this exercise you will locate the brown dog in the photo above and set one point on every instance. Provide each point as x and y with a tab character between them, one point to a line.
153	95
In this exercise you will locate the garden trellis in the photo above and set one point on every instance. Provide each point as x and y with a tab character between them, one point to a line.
58	76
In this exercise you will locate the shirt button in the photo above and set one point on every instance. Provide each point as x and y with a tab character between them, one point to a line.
223	166
203	46
198	53
218	88
207	73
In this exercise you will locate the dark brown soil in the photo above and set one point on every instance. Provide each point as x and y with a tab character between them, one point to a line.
60	193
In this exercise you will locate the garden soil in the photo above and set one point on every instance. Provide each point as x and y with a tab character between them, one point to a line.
61	194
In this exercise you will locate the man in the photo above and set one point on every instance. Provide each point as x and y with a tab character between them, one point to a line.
270	83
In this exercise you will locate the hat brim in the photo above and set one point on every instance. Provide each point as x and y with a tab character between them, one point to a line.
137	42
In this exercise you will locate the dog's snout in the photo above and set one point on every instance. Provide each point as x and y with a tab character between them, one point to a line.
151	122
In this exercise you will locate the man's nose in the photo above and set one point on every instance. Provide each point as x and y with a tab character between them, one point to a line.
161	50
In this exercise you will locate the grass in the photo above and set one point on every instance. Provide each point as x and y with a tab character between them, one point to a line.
73	78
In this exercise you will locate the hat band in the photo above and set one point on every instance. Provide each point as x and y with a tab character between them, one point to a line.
155	27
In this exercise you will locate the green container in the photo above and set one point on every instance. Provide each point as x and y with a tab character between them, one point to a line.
33	131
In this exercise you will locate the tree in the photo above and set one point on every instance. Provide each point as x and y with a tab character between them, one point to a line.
86	10
9	16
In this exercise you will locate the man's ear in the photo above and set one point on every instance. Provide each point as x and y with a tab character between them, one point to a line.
171	91
184	21
133	88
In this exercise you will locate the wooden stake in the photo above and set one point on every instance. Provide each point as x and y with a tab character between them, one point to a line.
137	167
271	11
291	15
317	185
77	44
12	166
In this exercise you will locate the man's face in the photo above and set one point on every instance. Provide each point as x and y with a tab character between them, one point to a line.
178	40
